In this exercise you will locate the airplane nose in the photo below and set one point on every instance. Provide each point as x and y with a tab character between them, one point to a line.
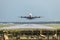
30	14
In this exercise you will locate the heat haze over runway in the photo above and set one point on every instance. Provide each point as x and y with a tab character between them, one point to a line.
34	26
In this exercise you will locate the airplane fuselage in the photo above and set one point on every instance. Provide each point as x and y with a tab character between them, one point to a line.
30	17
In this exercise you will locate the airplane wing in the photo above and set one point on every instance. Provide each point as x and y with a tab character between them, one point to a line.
23	16
36	17
33	17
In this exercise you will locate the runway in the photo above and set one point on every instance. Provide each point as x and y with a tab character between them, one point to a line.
34	26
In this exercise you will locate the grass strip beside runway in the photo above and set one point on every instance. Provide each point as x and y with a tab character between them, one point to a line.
53	25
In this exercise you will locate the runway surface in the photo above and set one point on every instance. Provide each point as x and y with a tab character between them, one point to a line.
35	26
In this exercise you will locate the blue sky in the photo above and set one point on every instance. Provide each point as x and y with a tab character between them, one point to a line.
11	9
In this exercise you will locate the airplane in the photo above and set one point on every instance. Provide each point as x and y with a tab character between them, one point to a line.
30	16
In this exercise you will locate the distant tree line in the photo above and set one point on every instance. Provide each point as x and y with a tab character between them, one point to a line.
54	22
